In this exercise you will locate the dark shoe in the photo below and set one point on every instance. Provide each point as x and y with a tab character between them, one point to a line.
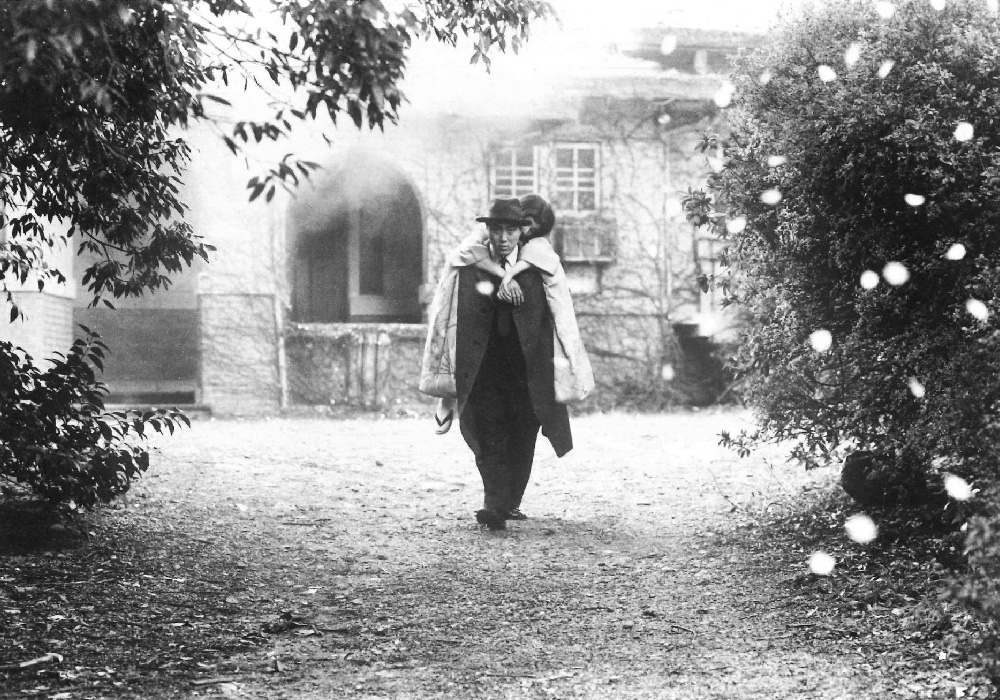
514	514
493	519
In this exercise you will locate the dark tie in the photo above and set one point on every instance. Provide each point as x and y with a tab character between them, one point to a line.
503	310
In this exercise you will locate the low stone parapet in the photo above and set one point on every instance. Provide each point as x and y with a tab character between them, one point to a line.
371	366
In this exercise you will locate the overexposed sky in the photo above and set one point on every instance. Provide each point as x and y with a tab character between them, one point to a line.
596	15
587	40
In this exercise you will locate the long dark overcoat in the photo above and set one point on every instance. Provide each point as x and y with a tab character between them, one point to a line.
534	329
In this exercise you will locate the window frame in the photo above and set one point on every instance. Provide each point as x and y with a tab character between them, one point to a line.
512	166
599	242
575	178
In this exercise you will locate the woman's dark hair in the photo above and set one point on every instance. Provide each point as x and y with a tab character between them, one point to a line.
533	205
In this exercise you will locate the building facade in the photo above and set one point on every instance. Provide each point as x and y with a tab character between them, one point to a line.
318	297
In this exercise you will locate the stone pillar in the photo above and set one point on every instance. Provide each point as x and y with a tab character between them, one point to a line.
370	355
239	354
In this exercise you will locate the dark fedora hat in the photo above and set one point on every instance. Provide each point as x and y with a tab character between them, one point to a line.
505	211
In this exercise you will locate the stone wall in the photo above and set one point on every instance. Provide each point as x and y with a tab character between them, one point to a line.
365	366
239	353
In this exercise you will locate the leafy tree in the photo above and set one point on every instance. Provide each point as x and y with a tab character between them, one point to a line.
93	98
860	191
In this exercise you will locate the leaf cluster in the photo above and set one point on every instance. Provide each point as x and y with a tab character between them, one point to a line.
88	95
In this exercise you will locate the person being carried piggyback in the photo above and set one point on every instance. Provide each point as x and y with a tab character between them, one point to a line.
574	376
495	361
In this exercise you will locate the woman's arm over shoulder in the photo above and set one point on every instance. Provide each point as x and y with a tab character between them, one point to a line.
471	250
539	253
473	239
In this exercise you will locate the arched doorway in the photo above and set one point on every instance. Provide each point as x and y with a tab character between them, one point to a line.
356	244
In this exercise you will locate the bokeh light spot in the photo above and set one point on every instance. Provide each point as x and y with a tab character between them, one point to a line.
765	77
914	200
916	388
895	273
964	131
852	55
977	309
957	487
869	279
885	9
826	73
771	196
485	287
821	563
938	4
667	373
724	95
736	224
883	70
821	340
776	161
861	528
956	252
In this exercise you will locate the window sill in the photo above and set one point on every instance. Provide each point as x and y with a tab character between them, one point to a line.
595	261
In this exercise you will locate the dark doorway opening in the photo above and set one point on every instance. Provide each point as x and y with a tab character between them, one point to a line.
356	245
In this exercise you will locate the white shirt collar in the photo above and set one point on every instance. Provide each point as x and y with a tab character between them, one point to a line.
511	257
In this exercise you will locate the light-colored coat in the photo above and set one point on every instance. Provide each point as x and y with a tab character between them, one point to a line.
574	377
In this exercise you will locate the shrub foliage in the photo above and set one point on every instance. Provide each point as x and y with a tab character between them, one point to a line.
57	439
864	150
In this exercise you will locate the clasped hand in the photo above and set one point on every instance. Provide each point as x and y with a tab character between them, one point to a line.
510	292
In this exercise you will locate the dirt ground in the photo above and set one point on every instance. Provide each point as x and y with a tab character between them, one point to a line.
340	558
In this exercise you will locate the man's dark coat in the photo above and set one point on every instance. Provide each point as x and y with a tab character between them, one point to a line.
534	329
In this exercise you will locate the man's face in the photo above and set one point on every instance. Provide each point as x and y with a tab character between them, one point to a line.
504	237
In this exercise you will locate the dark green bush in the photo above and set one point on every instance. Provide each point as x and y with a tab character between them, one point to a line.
911	373
979	587
55	436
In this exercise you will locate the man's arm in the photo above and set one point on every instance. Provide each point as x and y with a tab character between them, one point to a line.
509	289
532	290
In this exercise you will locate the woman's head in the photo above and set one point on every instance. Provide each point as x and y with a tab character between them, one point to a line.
541	215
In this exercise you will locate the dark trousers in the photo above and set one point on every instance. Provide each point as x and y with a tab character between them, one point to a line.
505	423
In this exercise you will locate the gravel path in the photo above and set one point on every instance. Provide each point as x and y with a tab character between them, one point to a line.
351	547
